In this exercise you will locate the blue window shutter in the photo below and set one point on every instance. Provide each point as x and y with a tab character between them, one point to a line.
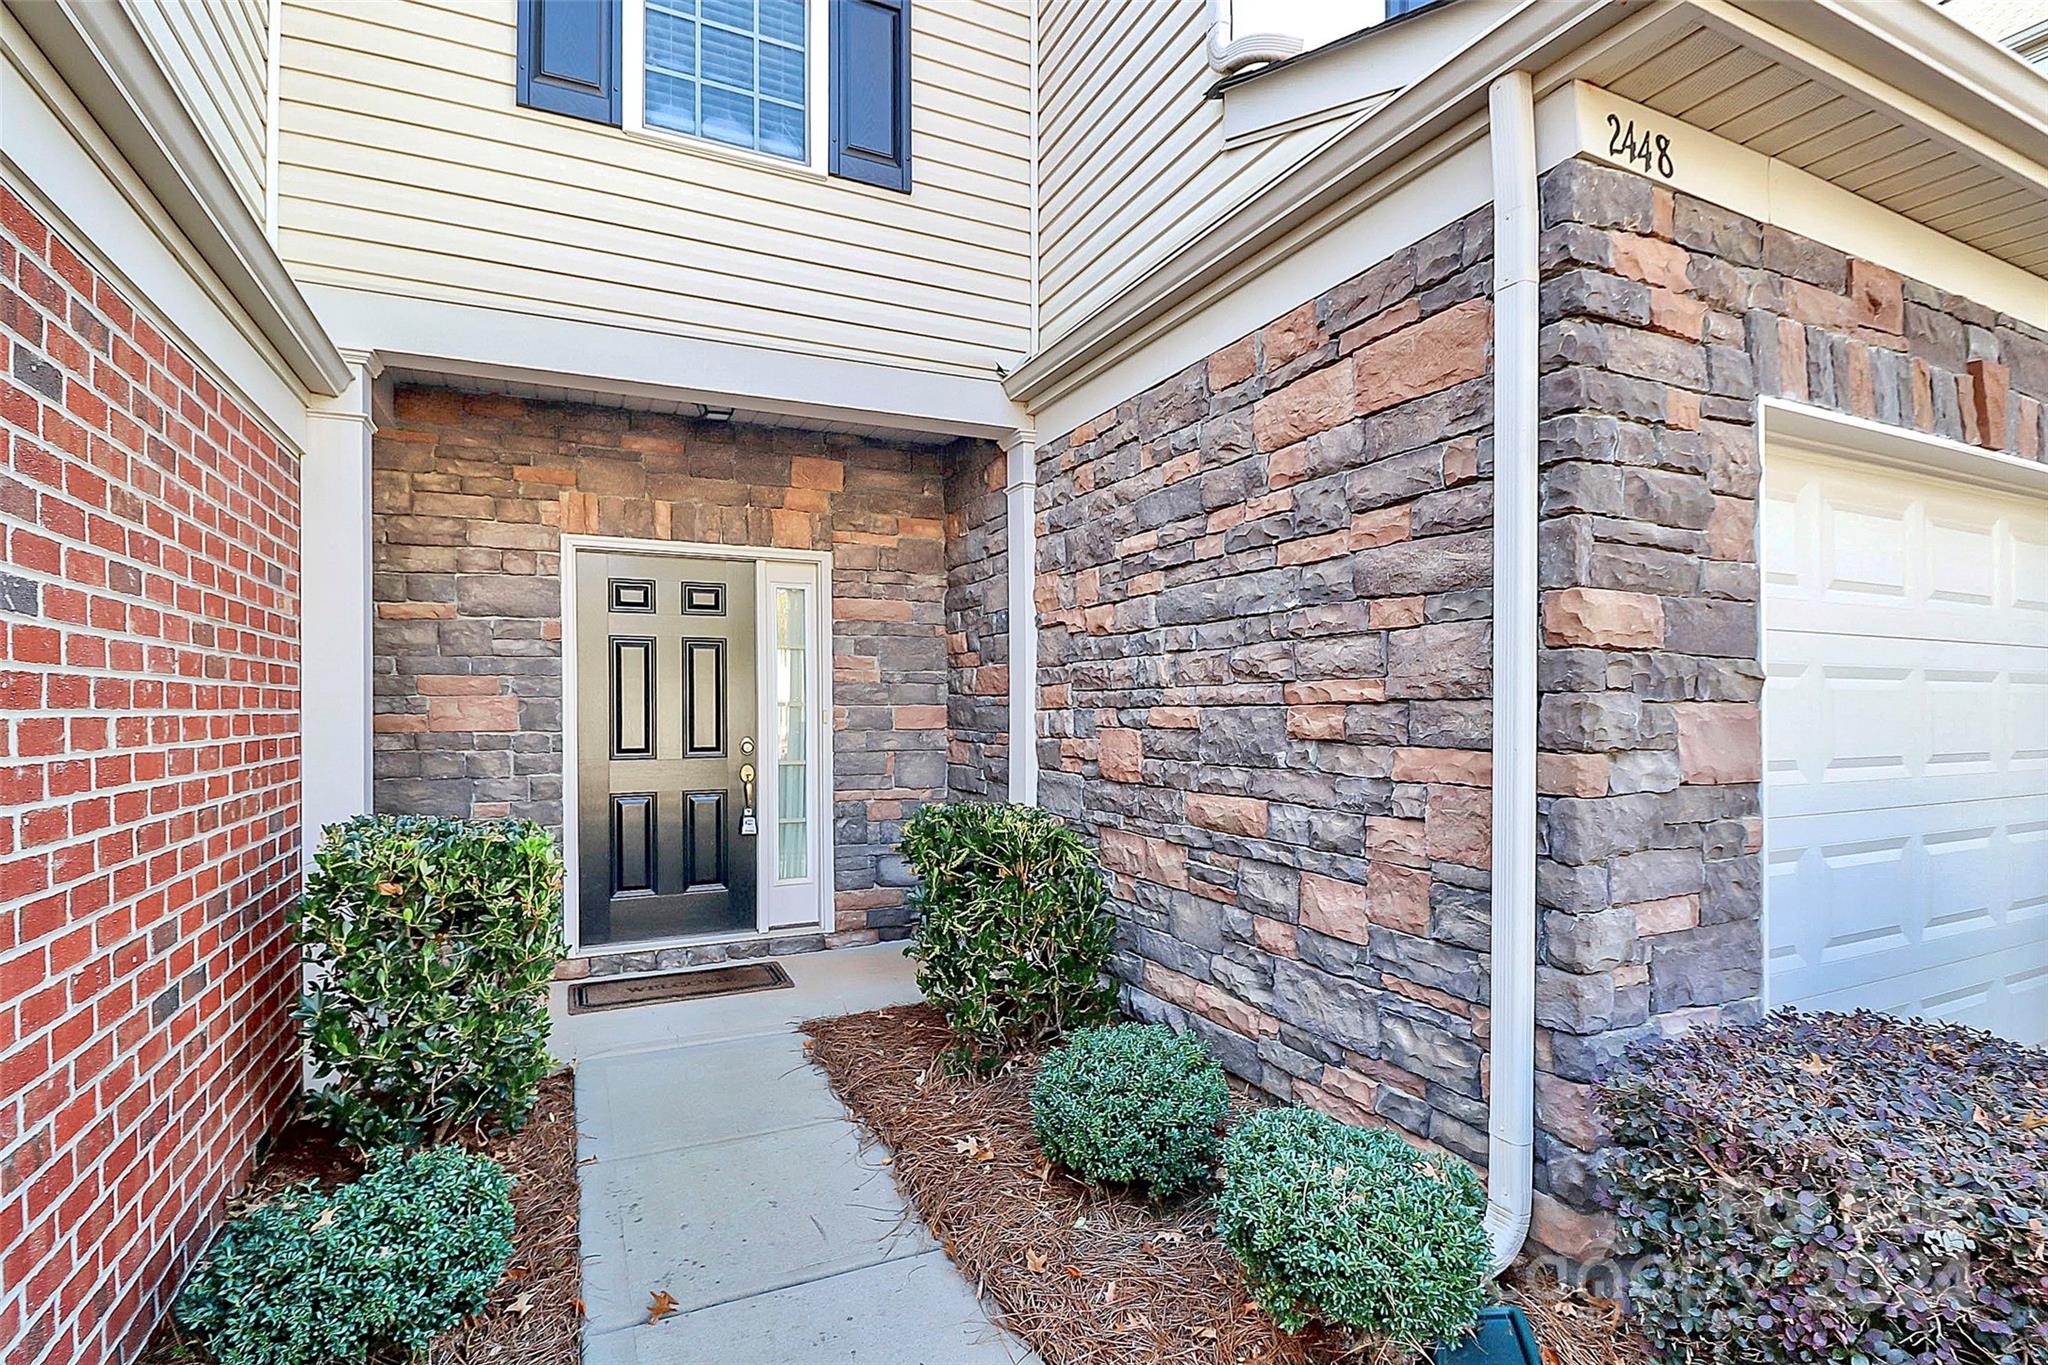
870	92
569	55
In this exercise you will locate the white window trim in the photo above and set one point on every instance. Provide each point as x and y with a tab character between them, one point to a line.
633	78
766	561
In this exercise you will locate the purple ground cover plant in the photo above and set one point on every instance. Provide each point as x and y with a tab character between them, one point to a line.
1834	1187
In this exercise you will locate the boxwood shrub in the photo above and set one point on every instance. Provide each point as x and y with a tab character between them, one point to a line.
377	1266
1846	1187
1132	1104
1342	1224
1012	941
430	944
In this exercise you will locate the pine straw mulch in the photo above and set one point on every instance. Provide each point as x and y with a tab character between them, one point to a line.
535	1315
1089	1276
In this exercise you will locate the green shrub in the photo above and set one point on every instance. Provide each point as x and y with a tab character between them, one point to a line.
381	1264
1336	1223
1848	1187
1013	944
1133	1104
430	944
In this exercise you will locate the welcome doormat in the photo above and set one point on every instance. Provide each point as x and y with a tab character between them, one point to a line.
620	992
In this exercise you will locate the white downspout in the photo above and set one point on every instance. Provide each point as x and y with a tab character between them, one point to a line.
1510	1158
1020	545
1228	53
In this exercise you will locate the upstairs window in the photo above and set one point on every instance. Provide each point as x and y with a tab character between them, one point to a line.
749	75
731	71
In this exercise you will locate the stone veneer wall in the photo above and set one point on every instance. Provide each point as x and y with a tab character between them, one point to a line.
977	629
1264	593
472	495
1665	319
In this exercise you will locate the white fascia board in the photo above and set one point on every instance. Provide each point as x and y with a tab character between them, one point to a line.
61	162
1721	172
1450	98
107	64
461	339
1345	77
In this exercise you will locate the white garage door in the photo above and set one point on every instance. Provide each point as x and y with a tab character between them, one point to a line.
1906	737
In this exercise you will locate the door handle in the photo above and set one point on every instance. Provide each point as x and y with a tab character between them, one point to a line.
748	824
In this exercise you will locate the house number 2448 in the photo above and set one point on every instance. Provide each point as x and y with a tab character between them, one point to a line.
1651	151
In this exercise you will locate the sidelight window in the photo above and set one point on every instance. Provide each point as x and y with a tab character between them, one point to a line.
792	734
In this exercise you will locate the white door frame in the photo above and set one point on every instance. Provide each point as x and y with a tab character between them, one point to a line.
762	557
1796	428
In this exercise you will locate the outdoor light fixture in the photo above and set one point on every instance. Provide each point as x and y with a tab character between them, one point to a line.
1501	1337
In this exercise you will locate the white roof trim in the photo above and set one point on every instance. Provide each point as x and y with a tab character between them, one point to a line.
104	58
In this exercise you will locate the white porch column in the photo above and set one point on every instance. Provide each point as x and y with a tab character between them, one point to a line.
335	606
1021	557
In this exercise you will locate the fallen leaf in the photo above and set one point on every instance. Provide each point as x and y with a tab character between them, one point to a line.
517	1272
1175	1237
1034	1261
1205	1334
326	1217
389	888
522	1304
1074	1272
1109	1294
2031	1122
661	1304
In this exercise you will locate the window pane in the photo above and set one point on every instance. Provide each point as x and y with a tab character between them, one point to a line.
728	117
782	74
728	58
733	70
783	20
737	14
671	103
792	735
782	130
671	43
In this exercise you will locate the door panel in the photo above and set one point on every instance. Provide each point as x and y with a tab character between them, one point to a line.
1906	774
666	715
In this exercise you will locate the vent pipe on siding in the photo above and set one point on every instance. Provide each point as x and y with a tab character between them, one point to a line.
1510	1160
1229	54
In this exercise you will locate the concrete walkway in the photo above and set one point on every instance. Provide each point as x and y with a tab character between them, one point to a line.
719	1168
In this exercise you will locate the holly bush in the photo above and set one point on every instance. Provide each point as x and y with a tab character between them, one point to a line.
1848	1187
1342	1224
1012	941
430	943
1132	1104
382	1264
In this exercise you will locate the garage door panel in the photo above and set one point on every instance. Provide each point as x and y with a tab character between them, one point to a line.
1906	745
1987	992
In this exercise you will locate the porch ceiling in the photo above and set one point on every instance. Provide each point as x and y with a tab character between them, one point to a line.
602	398
1718	72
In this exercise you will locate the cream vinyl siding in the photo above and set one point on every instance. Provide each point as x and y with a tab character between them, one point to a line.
216	53
1132	157
406	168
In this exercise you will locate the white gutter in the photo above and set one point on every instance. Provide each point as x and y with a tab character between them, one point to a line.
1229	54
1510	1128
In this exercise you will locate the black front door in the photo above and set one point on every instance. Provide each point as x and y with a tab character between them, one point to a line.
666	763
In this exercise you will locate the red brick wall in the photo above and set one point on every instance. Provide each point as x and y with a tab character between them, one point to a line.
149	803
